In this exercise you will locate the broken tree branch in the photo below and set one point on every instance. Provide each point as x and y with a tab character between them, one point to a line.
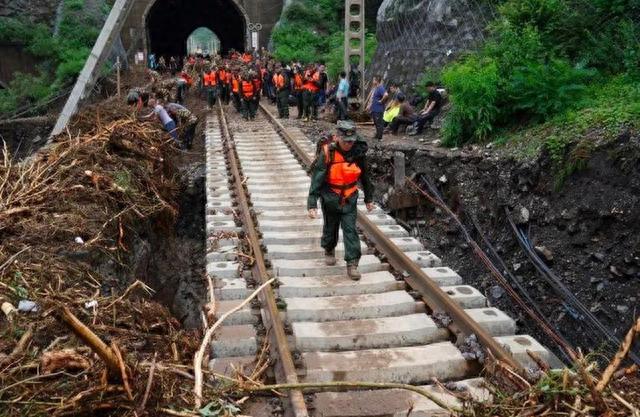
344	384
197	359
147	390
619	357
94	342
21	346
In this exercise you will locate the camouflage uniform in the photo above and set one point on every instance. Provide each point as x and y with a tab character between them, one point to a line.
187	122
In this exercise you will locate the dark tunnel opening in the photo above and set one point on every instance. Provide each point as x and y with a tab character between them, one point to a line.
170	22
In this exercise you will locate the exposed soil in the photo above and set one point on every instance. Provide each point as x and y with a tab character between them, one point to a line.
173	262
589	226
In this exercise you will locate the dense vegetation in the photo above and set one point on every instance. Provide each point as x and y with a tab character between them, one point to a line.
313	30
557	67
61	56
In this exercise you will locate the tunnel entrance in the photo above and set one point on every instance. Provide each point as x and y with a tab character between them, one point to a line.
169	24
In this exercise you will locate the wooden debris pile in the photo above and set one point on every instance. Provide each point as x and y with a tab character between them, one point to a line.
75	338
577	391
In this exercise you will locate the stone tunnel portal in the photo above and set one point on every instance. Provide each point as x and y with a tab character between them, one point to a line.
169	24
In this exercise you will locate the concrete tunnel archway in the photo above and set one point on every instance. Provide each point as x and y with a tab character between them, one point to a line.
170	22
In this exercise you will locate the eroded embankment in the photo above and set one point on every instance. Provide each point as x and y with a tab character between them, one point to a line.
83	223
587	230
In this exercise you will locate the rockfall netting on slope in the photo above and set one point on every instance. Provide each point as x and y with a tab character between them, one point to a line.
415	34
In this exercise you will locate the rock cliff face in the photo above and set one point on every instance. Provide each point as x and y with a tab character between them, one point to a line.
37	11
417	34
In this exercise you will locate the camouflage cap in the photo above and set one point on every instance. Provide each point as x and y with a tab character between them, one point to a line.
347	128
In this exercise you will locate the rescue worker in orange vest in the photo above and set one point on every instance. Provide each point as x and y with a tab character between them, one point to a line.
339	166
210	80
235	89
248	92
281	83
223	87
298	89
310	93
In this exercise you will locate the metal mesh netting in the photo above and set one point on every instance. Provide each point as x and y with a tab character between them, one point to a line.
414	34
417	34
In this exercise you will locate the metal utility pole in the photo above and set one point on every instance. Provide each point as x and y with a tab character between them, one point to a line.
101	49
354	39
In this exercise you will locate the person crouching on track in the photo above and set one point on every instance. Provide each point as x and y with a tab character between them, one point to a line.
186	122
163	116
248	92
339	165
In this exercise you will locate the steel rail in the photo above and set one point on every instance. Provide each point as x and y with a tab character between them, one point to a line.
272	320
433	296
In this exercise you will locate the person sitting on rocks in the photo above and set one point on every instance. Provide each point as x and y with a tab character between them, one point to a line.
431	108
406	116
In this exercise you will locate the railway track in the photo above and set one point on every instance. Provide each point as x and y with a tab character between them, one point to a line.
408	320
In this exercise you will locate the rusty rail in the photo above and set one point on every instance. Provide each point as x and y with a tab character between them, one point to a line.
437	300
286	372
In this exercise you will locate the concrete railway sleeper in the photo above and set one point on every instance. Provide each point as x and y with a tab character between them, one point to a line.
341	330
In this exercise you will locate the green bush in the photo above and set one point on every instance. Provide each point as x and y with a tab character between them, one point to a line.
313	31
62	57
474	85
542	90
295	42
543	55
334	58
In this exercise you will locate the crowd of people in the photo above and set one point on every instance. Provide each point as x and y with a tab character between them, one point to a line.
243	79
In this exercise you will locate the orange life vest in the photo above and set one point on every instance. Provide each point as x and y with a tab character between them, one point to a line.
247	89
235	85
342	176
297	82
210	79
257	84
229	77
222	76
312	81
278	81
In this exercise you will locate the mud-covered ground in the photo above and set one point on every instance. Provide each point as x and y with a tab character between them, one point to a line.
173	261
587	231
588	228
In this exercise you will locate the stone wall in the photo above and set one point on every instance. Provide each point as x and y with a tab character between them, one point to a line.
417	34
37	11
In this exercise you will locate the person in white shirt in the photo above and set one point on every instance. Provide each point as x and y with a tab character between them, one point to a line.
341	96
163	116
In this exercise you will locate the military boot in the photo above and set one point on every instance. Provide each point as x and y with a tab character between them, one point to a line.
352	271
330	257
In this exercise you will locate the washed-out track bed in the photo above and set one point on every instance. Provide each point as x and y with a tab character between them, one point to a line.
387	327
